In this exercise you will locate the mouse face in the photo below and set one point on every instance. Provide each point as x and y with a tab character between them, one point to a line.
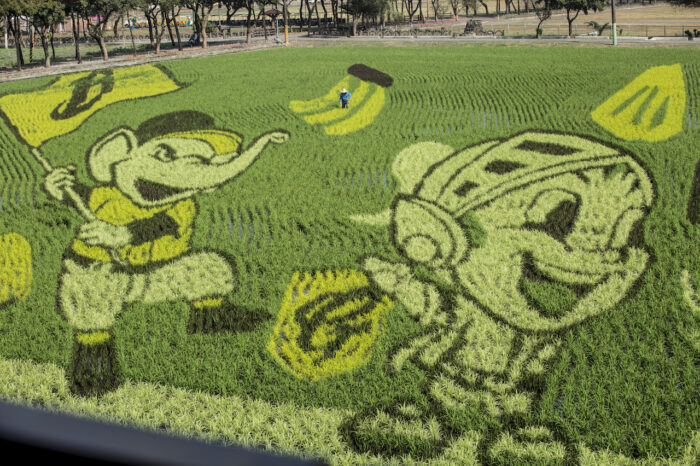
539	229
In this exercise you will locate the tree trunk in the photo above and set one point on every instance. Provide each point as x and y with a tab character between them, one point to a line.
205	19
103	47
53	50
116	27
150	28
309	16
31	44
248	25
261	15
18	43
45	46
354	24
166	18
571	21
177	30
97	32
486	7
325	15
161	31
131	32
76	37
301	14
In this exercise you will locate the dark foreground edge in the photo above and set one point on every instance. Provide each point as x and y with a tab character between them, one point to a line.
40	435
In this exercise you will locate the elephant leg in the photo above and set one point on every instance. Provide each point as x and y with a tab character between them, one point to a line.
91	298
204	280
529	444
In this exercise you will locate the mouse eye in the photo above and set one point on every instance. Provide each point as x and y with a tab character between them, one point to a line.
164	153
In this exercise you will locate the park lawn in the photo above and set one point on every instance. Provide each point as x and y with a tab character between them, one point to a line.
336	360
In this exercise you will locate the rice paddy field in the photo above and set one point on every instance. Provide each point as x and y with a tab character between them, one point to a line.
490	257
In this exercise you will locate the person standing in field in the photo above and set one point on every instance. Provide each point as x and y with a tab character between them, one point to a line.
344	98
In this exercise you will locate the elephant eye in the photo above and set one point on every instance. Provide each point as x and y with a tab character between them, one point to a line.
164	153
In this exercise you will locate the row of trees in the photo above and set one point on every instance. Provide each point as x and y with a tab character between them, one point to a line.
43	17
362	9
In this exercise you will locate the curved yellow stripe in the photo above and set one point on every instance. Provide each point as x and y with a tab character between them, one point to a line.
305	106
362	118
336	113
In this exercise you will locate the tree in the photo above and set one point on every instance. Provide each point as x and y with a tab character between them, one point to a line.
543	10
354	9
75	8
688	3
436	8
44	15
249	6
155	11
469	4
599	28
410	9
455	4
98	13
171	14
574	7
14	9
364	9
202	11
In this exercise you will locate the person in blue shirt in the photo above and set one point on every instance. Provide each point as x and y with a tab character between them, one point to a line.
344	98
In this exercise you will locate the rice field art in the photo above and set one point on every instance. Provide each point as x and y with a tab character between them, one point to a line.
491	257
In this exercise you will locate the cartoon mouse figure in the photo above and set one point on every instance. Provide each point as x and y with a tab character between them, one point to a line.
138	247
504	247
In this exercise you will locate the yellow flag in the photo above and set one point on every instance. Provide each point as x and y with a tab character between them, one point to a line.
649	108
65	104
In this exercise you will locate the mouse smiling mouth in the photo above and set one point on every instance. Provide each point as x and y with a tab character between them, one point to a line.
153	192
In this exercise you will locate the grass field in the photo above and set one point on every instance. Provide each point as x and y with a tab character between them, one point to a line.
491	256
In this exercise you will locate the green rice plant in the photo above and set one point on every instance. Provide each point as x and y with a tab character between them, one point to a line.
485	264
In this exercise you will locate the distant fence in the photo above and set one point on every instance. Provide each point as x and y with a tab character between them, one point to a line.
140	37
418	30
515	29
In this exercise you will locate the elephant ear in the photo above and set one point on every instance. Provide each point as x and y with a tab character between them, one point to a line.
113	148
413	163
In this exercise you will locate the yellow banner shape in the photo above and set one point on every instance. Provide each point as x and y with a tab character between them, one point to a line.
649	108
65	104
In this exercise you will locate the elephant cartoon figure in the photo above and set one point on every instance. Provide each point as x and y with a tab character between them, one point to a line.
137	248
505	246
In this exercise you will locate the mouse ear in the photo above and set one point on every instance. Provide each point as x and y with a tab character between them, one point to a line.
113	148
412	163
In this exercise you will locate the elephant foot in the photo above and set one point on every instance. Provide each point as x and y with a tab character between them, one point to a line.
395	431
95	370
213	315
530	445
